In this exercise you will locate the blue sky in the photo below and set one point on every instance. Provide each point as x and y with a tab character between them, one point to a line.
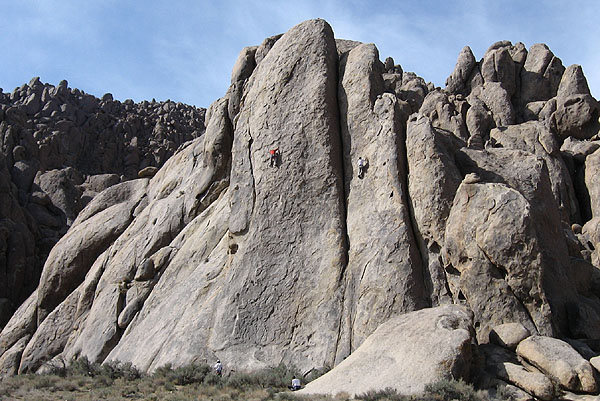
184	50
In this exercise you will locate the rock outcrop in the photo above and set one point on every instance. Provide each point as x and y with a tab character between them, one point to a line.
60	147
475	220
559	361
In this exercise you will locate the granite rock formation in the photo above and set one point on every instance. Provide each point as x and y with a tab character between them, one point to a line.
480	199
59	148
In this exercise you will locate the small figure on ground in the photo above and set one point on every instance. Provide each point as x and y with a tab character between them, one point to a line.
362	165
274	156
295	384
218	368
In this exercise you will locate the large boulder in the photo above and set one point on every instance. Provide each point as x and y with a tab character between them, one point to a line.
458	82
573	82
534	137
577	111
571	313
498	66
62	187
509	335
497	100
505	366
560	361
541	74
488	234
399	354
577	116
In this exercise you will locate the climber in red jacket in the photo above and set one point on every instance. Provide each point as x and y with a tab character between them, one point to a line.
274	156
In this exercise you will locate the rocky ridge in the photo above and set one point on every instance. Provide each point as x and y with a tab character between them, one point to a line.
59	148
481	194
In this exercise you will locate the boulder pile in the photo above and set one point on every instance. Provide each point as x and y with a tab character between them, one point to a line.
59	148
477	211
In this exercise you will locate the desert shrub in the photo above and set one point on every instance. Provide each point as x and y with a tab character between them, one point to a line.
242	380
387	394
116	370
213	379
452	390
44	381
83	367
278	376
193	373
169	386
103	381
503	393
183	375
66	385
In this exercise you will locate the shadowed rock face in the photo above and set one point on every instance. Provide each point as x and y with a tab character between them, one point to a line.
466	198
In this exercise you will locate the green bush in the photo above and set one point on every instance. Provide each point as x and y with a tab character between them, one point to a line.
191	374
117	370
83	367
183	375
279	376
452	390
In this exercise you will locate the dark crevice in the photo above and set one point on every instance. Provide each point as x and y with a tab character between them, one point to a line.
452	270
342	110
250	142
581	193
419	242
410	220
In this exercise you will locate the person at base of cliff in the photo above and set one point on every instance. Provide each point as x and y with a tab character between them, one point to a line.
295	384
362	164
274	156
218	368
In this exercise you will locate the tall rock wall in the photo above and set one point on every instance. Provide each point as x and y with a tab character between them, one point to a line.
471	195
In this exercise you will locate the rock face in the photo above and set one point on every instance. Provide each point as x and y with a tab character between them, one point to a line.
60	148
473	220
383	257
399	354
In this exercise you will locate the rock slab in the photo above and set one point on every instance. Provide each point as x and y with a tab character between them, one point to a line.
403	345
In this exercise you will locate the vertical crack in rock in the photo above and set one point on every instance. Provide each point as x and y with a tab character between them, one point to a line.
342	281
423	251
432	181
